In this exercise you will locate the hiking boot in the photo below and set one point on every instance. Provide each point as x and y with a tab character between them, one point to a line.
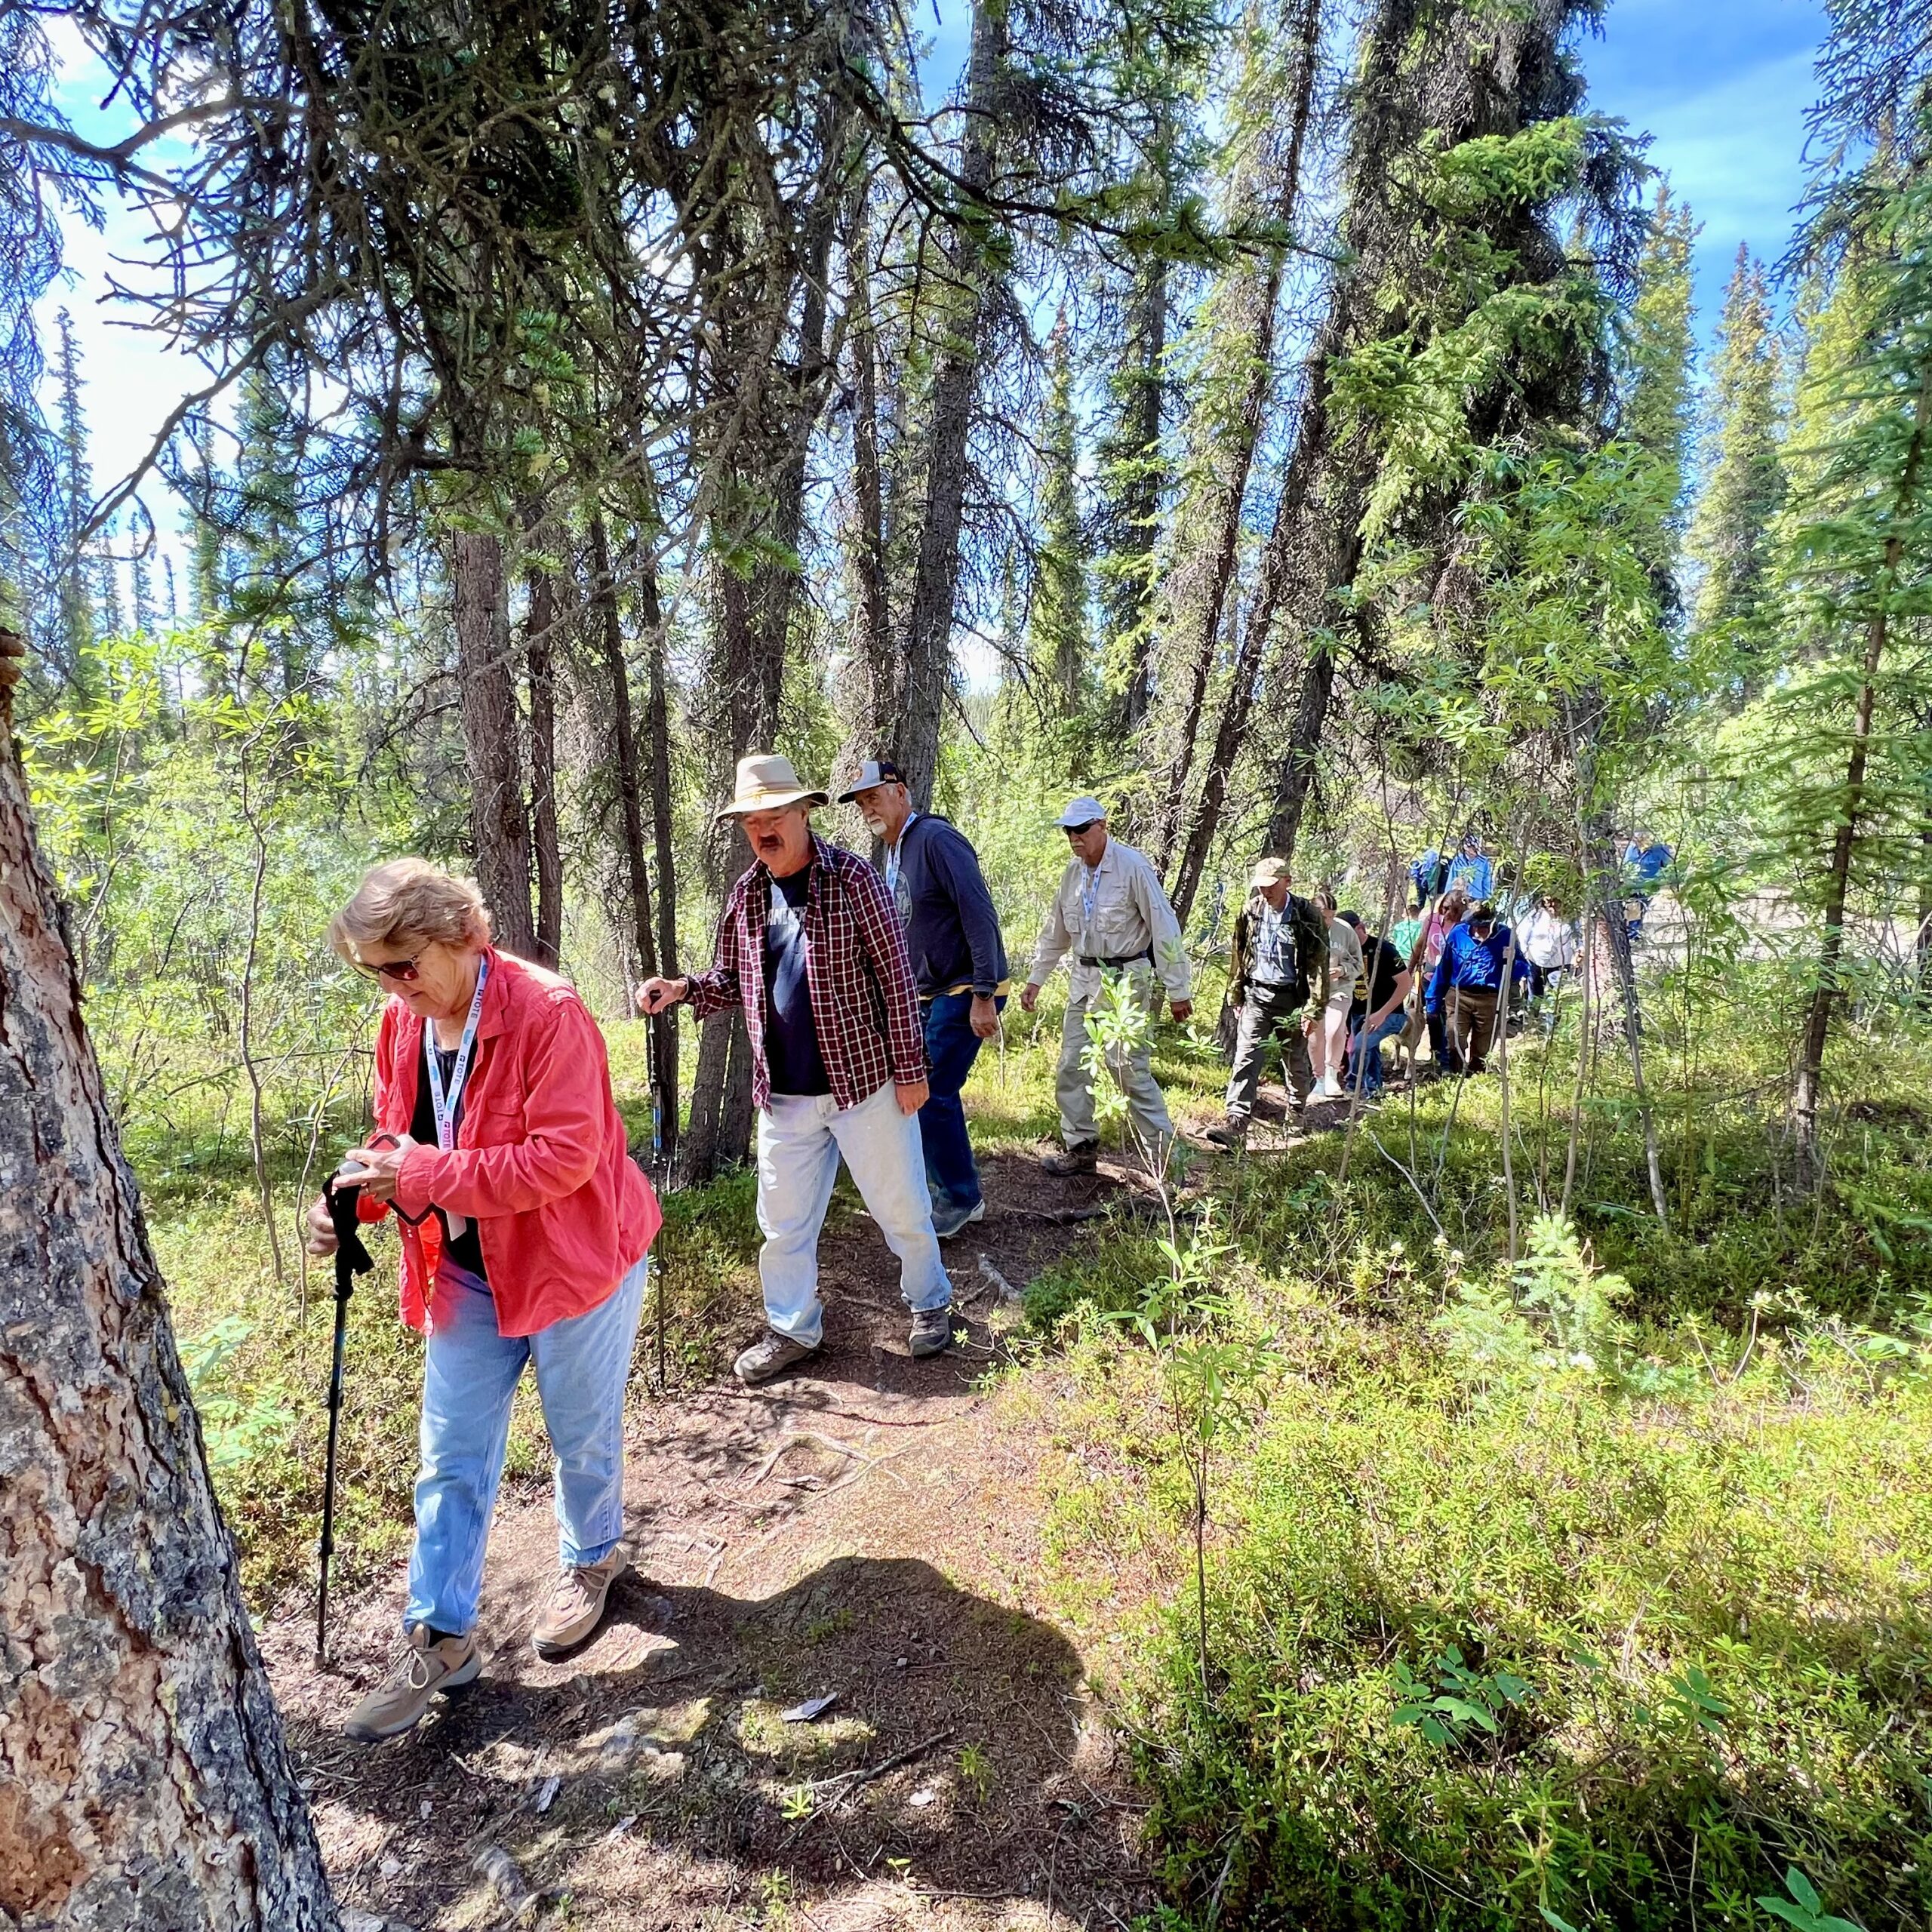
575	1607
932	1330
1232	1134
770	1356
422	1668
1084	1159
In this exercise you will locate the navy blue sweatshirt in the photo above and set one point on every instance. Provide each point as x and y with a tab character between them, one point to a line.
952	931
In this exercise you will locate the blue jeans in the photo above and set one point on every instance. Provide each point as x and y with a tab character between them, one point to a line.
952	1047
800	1138
1366	1067
470	1373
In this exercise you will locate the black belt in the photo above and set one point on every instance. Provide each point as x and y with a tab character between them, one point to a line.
1146	953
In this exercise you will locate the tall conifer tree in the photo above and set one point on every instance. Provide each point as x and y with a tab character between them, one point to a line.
1730	538
1660	406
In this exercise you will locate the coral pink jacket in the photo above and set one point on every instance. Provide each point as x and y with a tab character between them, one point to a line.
540	1163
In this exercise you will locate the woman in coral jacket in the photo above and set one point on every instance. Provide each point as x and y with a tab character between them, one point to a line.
525	1224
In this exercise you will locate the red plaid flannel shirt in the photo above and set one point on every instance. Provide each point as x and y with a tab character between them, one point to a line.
864	1003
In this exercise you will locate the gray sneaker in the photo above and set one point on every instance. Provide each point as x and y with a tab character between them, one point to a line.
770	1356
977	1212
420	1672
932	1330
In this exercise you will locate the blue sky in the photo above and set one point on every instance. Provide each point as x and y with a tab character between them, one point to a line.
1720	85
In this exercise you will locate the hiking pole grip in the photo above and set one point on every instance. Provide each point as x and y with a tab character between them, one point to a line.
351	1259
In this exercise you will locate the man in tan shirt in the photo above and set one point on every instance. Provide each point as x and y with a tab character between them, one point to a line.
1111	915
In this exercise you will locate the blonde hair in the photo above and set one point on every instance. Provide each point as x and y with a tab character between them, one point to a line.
409	903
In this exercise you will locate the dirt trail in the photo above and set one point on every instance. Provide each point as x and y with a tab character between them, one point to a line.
869	1530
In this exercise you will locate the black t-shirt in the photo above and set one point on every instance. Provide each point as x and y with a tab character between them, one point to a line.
791	1055
1376	985
466	1250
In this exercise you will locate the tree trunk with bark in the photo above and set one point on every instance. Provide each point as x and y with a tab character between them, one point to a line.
874	686
486	687
927	680
1455	74
1208	536
541	652
1138	509
144	1780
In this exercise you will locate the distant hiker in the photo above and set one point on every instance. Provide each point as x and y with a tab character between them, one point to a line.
1329	1026
810	948
1429	877
1281	956
1548	942
1110	913
1471	868
1449	914
1645	861
1477	958
524	1225
1405	935
958	963
1379	1009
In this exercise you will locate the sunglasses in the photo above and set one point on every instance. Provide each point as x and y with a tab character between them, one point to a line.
405	972
1079	831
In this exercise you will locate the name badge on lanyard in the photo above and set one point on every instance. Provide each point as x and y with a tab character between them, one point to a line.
893	865
443	1106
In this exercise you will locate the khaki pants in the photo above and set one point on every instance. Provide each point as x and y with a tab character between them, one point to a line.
1073	1088
1472	1024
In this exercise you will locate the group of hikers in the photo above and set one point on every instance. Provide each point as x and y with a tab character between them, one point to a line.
866	993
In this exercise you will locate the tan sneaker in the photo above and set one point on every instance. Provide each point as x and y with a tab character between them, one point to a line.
575	1605
422	1669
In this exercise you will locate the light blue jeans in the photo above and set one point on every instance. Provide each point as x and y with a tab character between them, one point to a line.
470	1373
800	1138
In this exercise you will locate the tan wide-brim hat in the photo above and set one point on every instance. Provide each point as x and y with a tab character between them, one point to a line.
767	782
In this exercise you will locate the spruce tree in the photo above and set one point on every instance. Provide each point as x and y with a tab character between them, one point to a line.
73	593
1730	534
1058	644
1660	354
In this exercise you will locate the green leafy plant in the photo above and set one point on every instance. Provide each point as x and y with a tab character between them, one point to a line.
238	1426
1804	1909
1450	1700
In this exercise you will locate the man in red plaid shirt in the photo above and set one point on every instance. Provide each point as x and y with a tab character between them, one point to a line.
810	945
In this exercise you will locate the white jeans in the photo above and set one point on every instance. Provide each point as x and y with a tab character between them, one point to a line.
800	1138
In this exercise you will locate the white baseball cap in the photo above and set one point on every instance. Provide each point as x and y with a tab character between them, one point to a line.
1082	811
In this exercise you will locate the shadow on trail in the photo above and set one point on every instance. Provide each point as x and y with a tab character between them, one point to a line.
956	1760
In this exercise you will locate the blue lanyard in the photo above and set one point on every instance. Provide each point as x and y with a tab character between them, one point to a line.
1090	897
892	856
443	1106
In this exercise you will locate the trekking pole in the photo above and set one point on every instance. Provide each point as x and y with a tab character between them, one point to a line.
656	1162
351	1259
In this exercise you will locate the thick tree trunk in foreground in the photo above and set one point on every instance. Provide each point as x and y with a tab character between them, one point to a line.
143	1777
487	690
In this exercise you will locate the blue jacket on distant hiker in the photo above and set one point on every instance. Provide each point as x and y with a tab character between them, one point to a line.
958	965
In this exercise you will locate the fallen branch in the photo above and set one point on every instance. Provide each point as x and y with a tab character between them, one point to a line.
856	1780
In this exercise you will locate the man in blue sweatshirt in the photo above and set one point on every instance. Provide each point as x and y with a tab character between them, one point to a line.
959	962
1477	957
